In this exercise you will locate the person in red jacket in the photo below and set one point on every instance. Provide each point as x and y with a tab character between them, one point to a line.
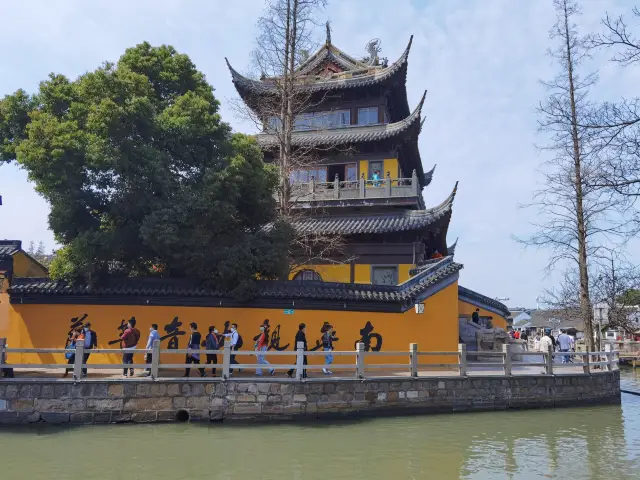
128	341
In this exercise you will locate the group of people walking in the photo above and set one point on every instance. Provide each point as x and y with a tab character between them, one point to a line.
564	343
89	339
214	340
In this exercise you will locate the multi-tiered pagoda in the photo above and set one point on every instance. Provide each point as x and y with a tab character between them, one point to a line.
366	180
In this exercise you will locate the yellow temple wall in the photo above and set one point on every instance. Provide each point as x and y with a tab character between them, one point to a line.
329	273
342	272
497	320
389	165
24	266
47	326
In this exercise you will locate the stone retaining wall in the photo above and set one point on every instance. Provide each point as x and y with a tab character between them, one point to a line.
109	401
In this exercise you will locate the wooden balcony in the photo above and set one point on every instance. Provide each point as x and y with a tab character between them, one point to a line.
385	188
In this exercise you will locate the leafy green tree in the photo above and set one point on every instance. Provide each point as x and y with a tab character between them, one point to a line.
144	177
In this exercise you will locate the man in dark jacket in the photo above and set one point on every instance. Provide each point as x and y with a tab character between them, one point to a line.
300	337
194	344
212	342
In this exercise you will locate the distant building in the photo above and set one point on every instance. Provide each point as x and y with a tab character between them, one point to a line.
24	265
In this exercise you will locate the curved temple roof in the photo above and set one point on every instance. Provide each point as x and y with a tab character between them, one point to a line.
353	134
268	294
349	79
331	53
359	224
483	301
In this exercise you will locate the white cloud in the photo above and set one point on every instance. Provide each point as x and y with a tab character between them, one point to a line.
480	60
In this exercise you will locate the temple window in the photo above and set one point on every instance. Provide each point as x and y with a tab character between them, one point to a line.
274	124
320	120
375	167
307	276
368	116
384	275
303	175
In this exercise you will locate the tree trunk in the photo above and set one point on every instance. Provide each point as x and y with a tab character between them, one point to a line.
285	134
585	302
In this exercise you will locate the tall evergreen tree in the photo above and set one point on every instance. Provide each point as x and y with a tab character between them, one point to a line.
143	176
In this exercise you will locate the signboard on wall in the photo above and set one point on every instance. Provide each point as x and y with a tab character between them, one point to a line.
420	308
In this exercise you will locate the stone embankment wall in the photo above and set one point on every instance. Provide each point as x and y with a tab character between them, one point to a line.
159	401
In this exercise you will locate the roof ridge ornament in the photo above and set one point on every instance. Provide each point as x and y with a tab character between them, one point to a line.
328	26
373	48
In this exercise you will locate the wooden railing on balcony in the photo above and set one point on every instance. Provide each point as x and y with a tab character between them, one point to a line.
383	188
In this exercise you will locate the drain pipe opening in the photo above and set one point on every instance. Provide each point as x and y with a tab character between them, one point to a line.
182	416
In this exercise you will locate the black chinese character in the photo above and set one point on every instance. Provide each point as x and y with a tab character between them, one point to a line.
173	332
74	323
121	328
274	341
366	339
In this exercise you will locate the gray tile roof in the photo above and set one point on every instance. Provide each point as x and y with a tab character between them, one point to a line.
560	317
9	247
330	53
400	297
358	78
346	135
483	301
359	224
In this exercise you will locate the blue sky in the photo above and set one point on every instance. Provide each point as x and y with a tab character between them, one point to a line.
481	61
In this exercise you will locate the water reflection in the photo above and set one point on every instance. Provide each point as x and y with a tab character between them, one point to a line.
580	443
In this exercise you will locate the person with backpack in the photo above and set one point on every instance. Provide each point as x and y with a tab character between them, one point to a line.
262	346
235	343
90	342
212	342
128	341
328	337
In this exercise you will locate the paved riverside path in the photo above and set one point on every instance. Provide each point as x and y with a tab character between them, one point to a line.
472	370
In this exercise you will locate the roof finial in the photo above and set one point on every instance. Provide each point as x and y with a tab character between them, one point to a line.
328	32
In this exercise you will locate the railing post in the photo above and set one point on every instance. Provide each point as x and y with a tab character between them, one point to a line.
155	358
361	186
413	355
506	350
462	359
3	351
336	187
77	365
312	187
586	359
415	185
226	360
360	360
299	360
387	185
608	355
550	360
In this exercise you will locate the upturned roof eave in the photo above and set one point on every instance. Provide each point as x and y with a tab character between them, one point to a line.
350	134
380	223
245	85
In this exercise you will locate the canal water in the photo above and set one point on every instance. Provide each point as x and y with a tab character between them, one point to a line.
573	443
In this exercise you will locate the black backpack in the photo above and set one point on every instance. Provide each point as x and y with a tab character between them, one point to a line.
240	342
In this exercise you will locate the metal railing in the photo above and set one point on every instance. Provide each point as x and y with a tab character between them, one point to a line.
383	188
362	367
